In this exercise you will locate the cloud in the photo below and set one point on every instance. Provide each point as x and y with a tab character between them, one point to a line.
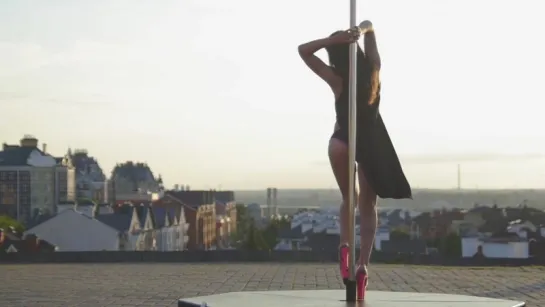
32	72
17	58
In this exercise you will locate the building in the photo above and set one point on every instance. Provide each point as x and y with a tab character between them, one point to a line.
11	242
30	180
91	183
127	228
272	203
65	180
200	214
504	246
134	182
71	230
226	217
162	229
86	207
255	212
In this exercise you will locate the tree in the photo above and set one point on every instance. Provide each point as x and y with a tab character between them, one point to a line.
239	237
254	239
243	218
451	245
399	234
6	222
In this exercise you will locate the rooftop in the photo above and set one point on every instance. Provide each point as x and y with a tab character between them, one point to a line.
64	280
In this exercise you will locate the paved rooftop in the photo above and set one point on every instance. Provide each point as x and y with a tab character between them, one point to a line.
162	284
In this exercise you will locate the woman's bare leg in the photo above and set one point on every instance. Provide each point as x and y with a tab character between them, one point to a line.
367	204
338	157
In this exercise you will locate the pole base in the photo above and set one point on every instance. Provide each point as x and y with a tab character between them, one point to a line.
351	286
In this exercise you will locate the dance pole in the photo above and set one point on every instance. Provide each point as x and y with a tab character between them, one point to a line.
351	284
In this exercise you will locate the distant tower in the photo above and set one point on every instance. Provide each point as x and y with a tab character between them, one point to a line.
275	201
269	194
459	178
459	187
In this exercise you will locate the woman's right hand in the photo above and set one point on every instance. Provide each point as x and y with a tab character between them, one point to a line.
345	37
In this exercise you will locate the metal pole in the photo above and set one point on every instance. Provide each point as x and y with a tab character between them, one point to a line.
351	285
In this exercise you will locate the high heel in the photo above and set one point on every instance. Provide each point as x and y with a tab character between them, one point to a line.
343	262
362	281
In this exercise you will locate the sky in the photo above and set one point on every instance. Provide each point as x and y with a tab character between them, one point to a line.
213	93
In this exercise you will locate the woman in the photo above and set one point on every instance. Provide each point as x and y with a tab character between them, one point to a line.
379	170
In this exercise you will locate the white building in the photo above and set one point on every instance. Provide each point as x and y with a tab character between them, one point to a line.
495	248
304	224
514	243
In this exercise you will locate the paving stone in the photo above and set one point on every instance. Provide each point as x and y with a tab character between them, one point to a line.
162	284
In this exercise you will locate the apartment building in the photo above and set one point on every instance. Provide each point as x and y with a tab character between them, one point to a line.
32	182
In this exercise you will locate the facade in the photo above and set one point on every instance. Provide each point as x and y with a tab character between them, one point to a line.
31	180
226	217
65	180
91	183
495	247
149	228
200	214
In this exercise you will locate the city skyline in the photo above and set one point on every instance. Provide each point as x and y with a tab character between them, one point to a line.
156	84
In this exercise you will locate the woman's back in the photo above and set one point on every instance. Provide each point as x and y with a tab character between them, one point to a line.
375	151
364	107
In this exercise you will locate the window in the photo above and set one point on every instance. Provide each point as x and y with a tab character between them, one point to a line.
25	187
24	176
24	199
12	176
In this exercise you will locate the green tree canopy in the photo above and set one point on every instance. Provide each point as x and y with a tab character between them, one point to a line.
451	245
399	234
6	222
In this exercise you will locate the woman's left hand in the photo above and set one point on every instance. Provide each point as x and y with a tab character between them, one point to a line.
366	26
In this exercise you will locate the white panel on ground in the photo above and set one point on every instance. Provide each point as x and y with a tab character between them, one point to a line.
334	298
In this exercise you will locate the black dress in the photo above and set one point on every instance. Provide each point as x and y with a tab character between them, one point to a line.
375	152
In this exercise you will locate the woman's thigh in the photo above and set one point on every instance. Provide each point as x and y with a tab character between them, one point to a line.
365	189
338	158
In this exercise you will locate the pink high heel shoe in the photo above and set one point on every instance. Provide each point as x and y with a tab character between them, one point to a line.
362	281
343	262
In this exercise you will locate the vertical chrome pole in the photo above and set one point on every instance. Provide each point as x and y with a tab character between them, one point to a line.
351	285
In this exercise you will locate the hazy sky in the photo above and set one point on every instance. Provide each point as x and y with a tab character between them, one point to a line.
213	93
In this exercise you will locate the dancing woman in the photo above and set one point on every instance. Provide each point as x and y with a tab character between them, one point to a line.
379	170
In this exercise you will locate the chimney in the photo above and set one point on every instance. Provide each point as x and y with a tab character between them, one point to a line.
29	141
44	147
